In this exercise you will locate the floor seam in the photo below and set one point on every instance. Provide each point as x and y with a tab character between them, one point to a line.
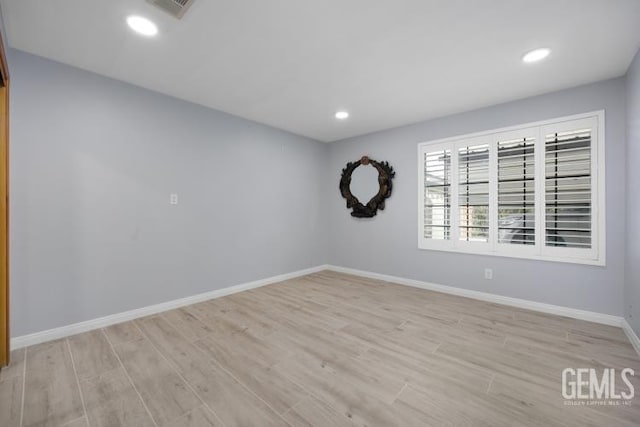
310	393
294	406
224	369
24	385
490	383
75	371
215	362
174	368
74	420
400	392
436	349
129	377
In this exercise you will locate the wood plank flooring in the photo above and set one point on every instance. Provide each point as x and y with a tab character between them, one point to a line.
326	349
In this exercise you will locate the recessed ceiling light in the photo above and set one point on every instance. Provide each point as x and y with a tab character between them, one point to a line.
142	25
341	115
536	55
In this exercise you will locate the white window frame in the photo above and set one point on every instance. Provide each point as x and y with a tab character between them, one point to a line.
594	256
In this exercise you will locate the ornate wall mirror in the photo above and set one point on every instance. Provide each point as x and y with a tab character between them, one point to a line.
366	179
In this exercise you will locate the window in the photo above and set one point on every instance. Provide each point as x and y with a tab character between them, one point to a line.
516	191
437	194
473	192
533	191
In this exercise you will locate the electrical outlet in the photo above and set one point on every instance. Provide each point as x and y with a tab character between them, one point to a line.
173	199
488	273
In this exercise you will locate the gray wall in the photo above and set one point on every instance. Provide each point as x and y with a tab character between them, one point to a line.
388	243
93	162
632	289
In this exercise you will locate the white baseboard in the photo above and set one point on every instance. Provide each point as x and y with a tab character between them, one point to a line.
631	334
606	319
76	328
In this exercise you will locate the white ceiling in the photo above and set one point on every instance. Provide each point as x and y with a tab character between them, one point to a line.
292	64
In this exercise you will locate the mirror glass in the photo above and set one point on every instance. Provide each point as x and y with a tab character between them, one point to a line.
364	183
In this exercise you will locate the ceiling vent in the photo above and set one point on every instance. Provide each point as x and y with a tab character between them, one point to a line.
175	8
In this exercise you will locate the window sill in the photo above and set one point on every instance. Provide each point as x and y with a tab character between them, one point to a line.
600	262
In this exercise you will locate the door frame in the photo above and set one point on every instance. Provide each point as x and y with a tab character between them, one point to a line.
4	208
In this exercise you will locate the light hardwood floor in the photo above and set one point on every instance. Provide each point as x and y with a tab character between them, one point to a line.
322	350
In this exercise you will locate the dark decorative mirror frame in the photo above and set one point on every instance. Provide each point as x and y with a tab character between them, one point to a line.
385	175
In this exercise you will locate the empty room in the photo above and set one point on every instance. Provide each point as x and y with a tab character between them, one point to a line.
319	213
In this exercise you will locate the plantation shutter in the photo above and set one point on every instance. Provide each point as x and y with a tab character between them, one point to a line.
535	191
437	194
473	193
516	191
568	188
